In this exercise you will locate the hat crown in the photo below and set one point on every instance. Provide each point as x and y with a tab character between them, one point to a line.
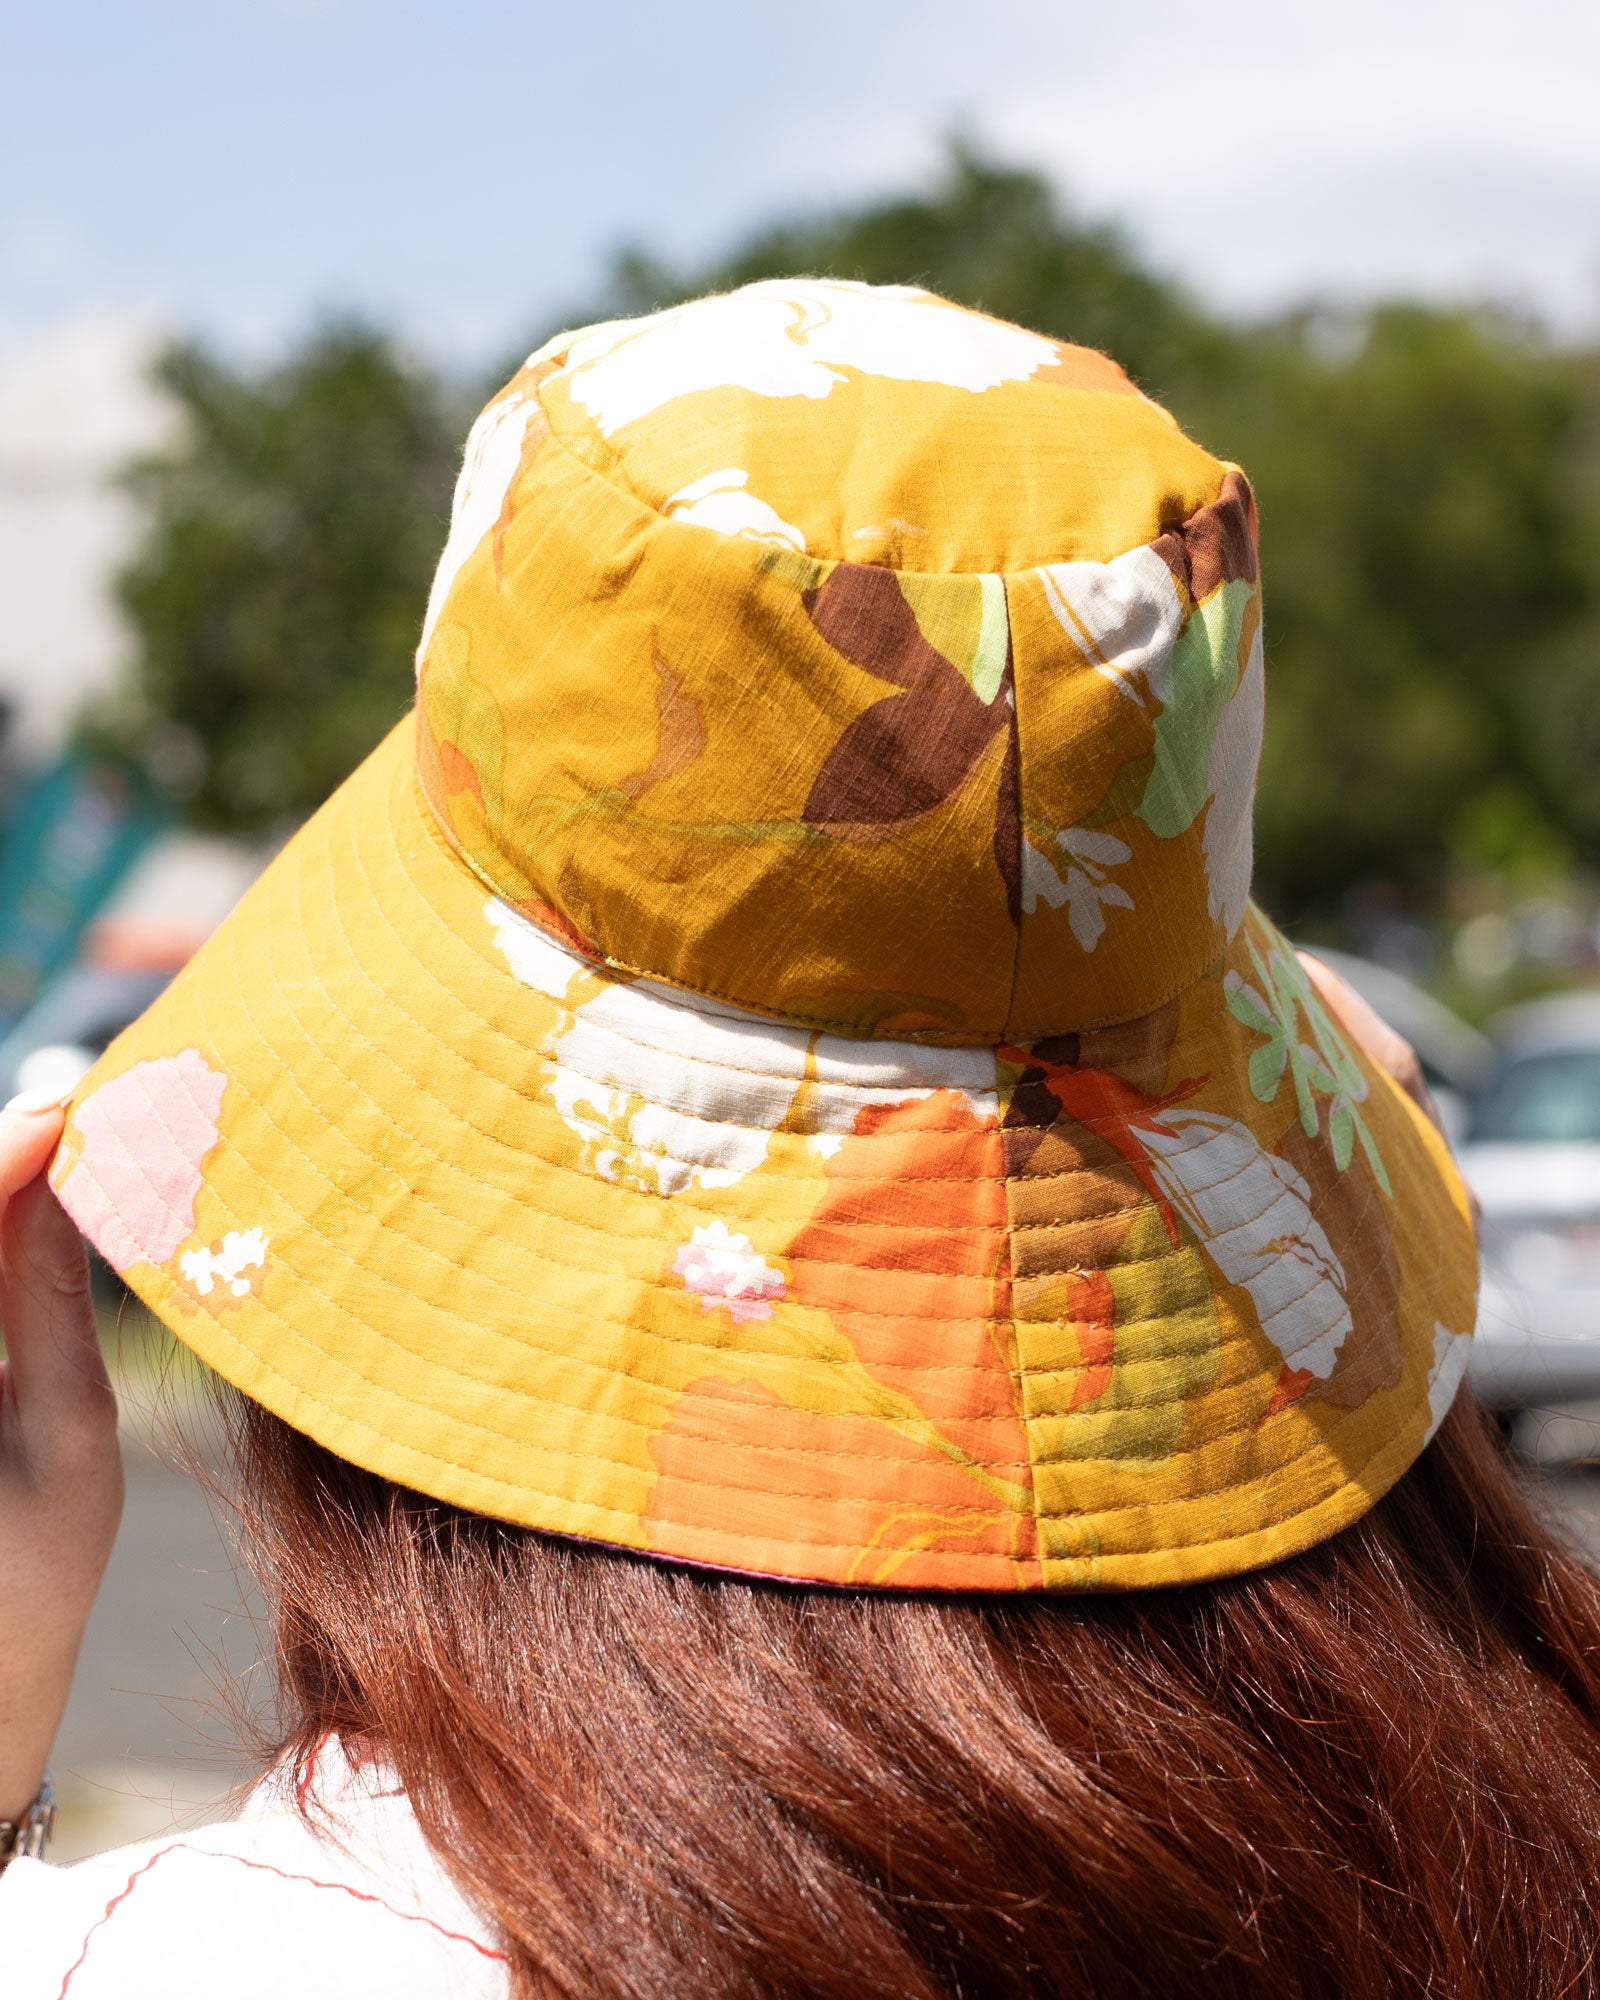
859	659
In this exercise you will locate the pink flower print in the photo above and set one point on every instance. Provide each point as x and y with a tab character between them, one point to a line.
727	1270
145	1134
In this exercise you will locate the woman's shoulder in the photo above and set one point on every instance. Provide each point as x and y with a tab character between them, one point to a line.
346	1900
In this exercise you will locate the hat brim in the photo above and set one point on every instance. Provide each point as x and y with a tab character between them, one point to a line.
1145	1306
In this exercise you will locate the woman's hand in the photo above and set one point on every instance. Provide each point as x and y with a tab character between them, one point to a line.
60	1470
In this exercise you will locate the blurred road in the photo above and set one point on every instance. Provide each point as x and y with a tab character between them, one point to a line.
148	1740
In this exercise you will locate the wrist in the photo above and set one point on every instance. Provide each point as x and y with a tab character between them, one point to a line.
29	1832
35	1679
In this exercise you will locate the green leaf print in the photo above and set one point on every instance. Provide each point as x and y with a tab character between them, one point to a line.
1321	1068
1193	687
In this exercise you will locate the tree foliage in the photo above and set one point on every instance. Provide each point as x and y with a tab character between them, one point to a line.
1428	486
988	235
279	592
1431	569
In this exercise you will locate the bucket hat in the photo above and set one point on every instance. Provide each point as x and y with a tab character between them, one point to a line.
772	1063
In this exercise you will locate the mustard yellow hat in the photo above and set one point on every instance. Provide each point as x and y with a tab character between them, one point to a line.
773	1064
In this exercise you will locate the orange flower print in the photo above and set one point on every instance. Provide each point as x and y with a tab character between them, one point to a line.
907	1255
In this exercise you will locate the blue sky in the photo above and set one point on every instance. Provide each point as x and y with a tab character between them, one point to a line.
236	165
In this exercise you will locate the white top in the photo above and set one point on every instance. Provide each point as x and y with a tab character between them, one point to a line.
255	1908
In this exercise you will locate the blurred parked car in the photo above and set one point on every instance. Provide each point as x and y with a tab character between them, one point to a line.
75	1017
1523	1113
1533	1158
162	911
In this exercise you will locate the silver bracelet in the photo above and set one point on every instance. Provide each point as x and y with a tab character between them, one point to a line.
28	1835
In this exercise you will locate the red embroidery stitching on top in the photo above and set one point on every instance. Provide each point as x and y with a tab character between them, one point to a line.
284	1875
308	1775
120	1897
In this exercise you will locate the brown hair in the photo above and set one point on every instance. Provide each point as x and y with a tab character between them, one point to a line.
1371	1771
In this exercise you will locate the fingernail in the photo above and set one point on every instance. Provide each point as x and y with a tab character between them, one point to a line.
32	1101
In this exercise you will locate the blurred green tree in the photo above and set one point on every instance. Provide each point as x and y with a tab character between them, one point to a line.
1431	569
991	235
293	529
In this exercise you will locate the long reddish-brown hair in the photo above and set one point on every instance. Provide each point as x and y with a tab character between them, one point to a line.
1373	1771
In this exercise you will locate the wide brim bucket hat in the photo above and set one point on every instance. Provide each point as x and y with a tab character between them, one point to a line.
773	1064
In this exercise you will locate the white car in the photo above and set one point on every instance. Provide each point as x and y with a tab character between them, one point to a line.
1532	1156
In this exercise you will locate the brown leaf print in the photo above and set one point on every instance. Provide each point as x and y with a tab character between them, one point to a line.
536	430
911	751
1217	544
1071	1197
680	732
1137	1051
1008	816
1134	1052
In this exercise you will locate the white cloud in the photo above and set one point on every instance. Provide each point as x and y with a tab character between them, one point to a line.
1277	151
1267	151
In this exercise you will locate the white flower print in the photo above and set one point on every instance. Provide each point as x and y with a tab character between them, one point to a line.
726	1269
205	1269
668	1090
1084	886
720	501
1450	1351
1127	618
494	451
790	337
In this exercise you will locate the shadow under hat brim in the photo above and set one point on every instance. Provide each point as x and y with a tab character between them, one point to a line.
354	1161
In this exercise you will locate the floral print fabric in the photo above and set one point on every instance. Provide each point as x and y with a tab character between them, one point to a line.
775	1064
952	726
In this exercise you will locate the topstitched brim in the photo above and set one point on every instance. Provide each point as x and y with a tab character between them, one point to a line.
1144	1306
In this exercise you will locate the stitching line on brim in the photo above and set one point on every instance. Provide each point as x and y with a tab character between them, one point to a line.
522	1444
1352	1297
886	1181
571	1224
1351	1482
455	998
575	1224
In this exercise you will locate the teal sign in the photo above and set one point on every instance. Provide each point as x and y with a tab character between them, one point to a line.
70	833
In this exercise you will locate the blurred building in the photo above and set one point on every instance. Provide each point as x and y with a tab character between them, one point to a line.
101	896
170	901
75	407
